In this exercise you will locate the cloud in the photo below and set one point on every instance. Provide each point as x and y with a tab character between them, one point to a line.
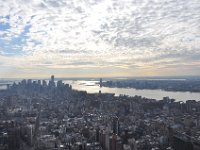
128	34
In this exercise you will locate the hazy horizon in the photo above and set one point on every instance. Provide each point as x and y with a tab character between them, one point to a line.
108	78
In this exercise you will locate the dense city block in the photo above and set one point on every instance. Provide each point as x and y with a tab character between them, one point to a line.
49	115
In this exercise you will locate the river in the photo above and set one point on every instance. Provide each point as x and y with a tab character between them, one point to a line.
92	87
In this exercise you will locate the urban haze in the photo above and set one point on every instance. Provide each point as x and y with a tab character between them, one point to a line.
99	75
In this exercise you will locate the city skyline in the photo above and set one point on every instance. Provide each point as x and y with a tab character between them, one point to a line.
99	38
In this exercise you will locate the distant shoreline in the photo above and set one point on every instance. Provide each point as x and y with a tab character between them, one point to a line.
156	84
152	89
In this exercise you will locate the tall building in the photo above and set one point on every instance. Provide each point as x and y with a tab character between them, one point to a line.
100	83
115	125
52	78
59	83
29	81
39	82
44	83
24	82
51	82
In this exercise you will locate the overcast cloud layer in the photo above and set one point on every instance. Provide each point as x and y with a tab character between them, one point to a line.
99	37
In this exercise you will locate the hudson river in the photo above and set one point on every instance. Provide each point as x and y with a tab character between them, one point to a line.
92	87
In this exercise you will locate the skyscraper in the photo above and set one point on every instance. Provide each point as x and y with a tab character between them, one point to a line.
115	125
100	83
51	82
52	78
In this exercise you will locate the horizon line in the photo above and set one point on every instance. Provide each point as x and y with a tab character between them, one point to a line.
125	77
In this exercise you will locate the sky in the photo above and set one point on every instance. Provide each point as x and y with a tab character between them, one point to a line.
99	38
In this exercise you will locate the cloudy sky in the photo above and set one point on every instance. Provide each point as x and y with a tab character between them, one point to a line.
99	38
